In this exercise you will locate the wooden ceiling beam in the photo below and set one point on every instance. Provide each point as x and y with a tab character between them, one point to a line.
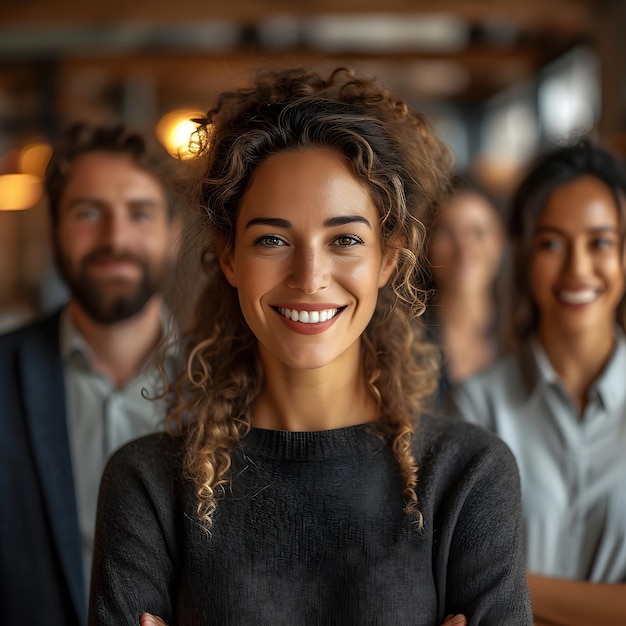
566	15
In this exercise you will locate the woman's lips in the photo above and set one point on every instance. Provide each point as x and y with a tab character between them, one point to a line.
306	316
577	296
307	321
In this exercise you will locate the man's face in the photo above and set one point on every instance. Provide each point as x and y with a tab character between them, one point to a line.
114	237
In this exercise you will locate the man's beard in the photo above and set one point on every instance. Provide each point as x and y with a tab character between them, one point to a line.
92	296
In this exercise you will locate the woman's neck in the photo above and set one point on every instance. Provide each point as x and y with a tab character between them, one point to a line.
578	359
334	396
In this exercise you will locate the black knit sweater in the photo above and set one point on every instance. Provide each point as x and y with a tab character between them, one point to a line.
311	531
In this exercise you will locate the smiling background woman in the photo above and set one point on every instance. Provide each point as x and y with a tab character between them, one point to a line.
301	481
559	401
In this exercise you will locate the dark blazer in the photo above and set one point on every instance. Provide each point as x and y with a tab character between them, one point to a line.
41	571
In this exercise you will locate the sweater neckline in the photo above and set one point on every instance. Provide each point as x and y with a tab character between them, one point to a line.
309	445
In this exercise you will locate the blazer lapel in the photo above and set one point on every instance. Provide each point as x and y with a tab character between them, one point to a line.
44	397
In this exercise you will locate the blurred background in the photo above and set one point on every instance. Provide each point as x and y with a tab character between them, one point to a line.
500	79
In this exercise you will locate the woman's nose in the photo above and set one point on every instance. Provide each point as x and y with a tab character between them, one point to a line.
310	271
579	261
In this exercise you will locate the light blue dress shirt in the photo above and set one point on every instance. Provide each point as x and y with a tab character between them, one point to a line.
572	467
101	418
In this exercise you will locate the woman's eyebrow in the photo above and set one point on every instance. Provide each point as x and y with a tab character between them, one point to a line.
594	229
340	220
270	221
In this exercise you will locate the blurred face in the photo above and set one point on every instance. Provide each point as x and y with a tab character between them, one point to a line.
466	244
308	260
577	261
114	237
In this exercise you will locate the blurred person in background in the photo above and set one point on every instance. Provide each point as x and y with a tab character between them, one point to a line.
559	401
71	384
466	251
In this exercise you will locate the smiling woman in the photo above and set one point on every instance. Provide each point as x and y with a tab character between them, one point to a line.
577	265
320	251
301	480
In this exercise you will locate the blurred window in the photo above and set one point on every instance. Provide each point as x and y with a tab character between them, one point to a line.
569	95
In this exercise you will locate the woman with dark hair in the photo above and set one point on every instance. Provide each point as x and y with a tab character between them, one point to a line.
301	481
559	401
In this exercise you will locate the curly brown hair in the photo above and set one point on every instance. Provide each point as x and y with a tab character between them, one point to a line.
396	155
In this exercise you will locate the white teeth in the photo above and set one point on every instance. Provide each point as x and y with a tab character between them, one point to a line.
307	317
578	297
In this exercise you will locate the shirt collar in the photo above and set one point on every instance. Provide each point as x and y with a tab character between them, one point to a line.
74	347
76	350
609	386
537	372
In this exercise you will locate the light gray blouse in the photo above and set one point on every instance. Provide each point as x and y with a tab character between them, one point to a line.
572	467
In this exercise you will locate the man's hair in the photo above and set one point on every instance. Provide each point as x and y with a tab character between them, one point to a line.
554	168
82	138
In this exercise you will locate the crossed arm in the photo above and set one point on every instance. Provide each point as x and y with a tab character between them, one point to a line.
150	620
555	602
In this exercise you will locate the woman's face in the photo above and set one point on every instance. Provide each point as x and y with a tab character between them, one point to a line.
466	245
308	259
577	259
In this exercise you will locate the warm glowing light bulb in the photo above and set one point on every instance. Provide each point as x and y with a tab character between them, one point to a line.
33	158
175	130
19	191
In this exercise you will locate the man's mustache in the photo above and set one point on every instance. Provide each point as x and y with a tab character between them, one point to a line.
106	255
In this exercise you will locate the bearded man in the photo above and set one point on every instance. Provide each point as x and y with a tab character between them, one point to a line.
73	386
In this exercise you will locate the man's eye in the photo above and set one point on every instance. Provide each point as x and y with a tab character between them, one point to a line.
87	213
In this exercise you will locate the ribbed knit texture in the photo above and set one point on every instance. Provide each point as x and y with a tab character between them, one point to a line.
311	530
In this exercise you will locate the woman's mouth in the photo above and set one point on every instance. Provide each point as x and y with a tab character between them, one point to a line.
577	296
307	317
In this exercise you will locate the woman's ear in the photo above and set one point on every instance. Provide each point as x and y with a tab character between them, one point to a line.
227	263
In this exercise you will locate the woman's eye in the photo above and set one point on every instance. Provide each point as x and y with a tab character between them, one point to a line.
602	242
478	232
346	241
548	244
269	241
